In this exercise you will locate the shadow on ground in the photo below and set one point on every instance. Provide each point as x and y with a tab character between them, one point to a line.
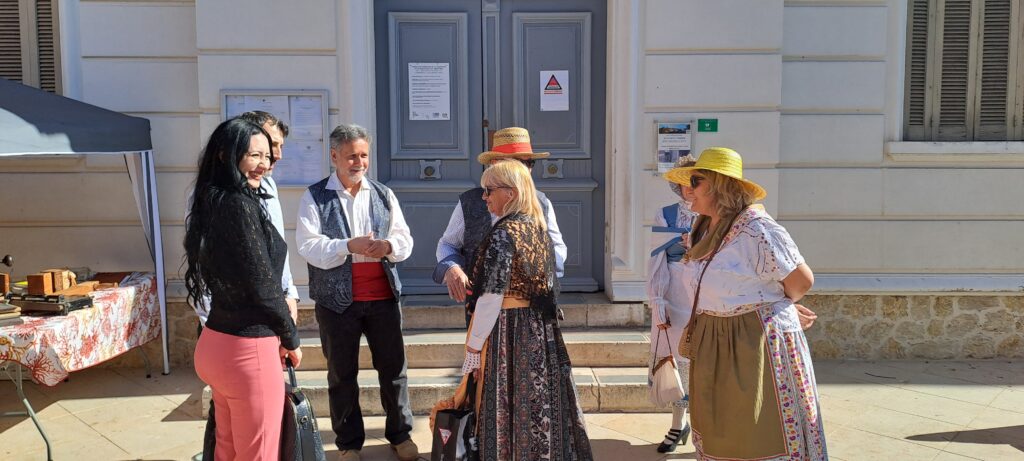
1009	435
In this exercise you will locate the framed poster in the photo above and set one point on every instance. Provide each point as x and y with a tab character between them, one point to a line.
674	141
305	157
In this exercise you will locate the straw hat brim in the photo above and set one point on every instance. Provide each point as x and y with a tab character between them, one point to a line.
681	175
486	157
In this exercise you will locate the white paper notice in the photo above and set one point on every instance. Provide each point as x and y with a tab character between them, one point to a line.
276	105
307	118
302	163
429	91
554	90
235	106
674	140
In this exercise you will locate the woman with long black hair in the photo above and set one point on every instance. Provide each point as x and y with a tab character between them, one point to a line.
234	254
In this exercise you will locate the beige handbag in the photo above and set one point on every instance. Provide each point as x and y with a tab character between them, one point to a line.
666	386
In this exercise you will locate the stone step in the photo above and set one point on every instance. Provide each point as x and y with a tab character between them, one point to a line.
581	310
601	390
446	348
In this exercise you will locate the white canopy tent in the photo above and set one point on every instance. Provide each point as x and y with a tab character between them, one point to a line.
34	122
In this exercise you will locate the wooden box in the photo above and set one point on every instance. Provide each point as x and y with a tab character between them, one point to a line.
62	278
40	284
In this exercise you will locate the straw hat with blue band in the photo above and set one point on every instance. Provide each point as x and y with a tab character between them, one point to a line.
722	160
510	143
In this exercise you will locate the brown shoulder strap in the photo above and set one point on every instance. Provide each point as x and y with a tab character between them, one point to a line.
696	294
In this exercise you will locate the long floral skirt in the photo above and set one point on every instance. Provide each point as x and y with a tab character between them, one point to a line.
752	390
529	408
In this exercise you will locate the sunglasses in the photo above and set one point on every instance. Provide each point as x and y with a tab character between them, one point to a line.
490	190
696	180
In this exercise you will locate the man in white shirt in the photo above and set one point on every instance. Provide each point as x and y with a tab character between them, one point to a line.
470	221
351	231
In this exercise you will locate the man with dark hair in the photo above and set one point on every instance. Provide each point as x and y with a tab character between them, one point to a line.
278	131
351	231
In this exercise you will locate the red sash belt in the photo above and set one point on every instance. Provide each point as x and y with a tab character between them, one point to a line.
369	282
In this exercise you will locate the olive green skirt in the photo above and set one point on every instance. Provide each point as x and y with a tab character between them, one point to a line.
752	390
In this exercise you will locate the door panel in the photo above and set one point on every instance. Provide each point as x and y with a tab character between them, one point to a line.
427	162
496	50
565	35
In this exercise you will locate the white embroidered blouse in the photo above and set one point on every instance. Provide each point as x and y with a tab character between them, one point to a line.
757	254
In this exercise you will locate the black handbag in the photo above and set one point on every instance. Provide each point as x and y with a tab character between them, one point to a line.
300	438
454	432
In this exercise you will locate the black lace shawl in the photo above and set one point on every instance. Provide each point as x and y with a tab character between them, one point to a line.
515	260
243	256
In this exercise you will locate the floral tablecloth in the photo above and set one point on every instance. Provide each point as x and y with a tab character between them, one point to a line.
120	319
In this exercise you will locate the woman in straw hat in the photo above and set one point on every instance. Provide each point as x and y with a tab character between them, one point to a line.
752	388
528	407
670	305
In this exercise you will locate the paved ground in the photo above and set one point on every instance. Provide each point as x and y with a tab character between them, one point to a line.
873	410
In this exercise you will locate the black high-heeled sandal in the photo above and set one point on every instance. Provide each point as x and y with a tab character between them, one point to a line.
676	436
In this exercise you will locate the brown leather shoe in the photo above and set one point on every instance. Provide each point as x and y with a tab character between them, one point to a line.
349	455
407	451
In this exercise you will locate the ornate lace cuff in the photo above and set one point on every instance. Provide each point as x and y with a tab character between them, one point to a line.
471	363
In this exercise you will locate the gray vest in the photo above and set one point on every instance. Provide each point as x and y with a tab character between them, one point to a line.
332	288
478	222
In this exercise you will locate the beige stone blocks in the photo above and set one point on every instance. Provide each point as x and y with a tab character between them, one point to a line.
917	327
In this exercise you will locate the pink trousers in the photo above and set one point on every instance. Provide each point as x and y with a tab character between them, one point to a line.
248	393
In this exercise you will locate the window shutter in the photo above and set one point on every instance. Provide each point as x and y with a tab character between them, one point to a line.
915	99
993	105
49	79
955	87
10	41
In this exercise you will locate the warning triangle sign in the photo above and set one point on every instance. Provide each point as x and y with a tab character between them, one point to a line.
553	84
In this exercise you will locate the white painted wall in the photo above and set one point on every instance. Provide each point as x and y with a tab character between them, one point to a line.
810	92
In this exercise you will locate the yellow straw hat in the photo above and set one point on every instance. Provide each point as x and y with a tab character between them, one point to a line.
512	142
722	160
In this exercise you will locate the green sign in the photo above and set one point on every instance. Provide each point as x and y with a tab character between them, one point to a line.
707	124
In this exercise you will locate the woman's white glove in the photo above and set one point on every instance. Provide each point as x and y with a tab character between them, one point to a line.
471	363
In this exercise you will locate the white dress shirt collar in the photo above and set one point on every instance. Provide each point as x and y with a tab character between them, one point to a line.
333	183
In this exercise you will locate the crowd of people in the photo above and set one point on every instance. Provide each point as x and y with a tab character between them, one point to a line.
724	282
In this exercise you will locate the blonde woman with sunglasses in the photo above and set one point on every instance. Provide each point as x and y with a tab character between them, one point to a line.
528	406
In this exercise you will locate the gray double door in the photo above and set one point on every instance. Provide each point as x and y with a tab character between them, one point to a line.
451	72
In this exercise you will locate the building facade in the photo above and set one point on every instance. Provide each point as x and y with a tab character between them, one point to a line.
888	133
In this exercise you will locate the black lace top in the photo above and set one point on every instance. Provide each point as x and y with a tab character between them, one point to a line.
515	260
243	256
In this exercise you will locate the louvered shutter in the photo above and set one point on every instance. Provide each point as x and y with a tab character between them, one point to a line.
29	43
916	101
46	50
954	84
10	41
993	108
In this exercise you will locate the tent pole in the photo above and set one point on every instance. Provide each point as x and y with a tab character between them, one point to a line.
158	251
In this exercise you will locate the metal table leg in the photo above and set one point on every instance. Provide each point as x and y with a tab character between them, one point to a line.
145	360
17	380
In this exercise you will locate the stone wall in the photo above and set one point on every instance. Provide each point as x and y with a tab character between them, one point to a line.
182	321
848	327
917	327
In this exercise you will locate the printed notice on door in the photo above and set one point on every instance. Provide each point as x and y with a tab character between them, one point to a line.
429	91
554	90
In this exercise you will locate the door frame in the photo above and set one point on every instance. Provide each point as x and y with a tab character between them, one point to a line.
624	269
